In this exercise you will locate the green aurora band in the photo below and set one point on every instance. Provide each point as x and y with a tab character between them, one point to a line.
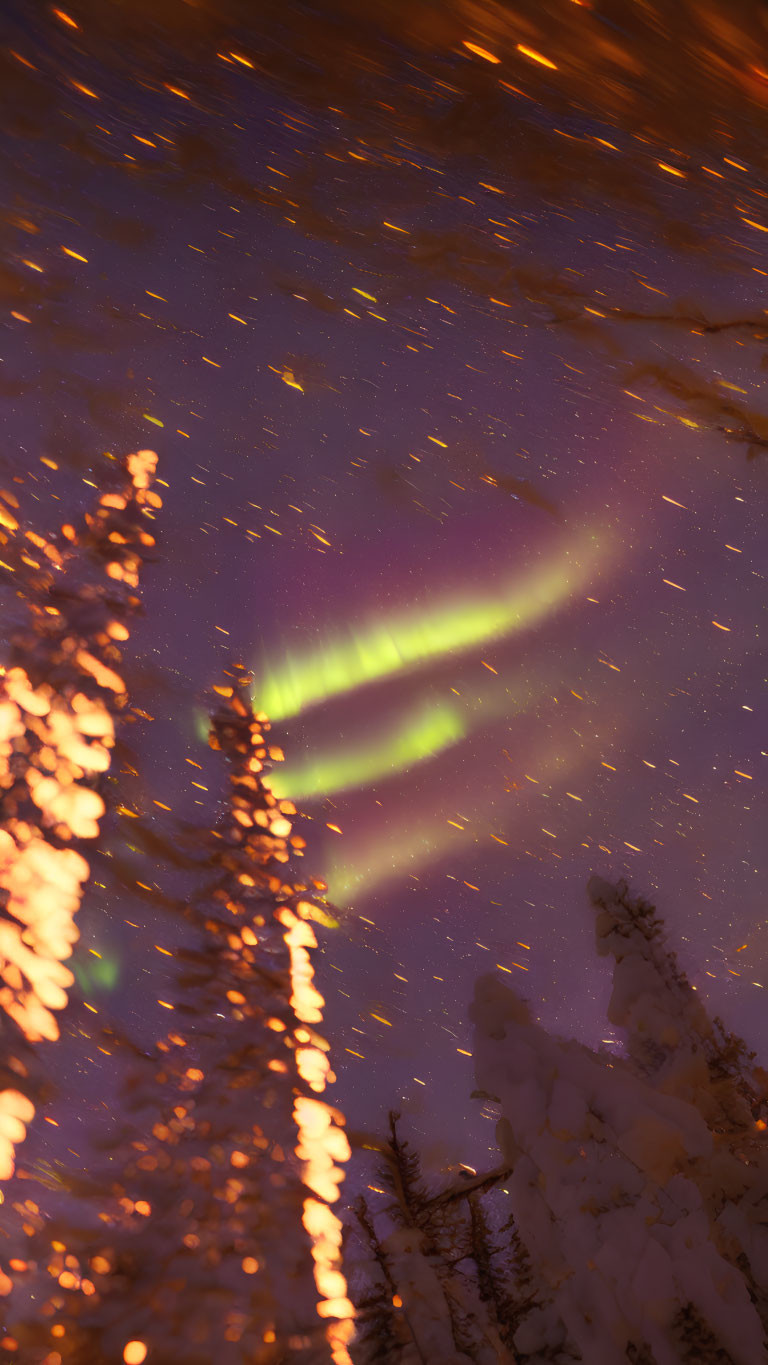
418	636
431	728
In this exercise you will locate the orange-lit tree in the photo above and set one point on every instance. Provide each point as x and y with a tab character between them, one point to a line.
59	694
215	1237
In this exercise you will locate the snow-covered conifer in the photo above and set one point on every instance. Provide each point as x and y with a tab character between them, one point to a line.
636	1180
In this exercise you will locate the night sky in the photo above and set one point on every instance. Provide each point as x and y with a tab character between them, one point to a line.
452	464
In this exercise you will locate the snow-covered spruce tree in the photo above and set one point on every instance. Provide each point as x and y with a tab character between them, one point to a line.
432	1265
673	1042
639	1184
414	1250
669	1035
383	1332
501	1279
217	1240
59	693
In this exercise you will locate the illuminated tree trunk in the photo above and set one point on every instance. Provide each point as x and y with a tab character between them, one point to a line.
58	698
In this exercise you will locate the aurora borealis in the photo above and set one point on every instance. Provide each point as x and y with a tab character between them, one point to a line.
392	647
447	325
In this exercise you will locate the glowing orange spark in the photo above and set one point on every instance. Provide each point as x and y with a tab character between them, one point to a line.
84	90
481	52
535	56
